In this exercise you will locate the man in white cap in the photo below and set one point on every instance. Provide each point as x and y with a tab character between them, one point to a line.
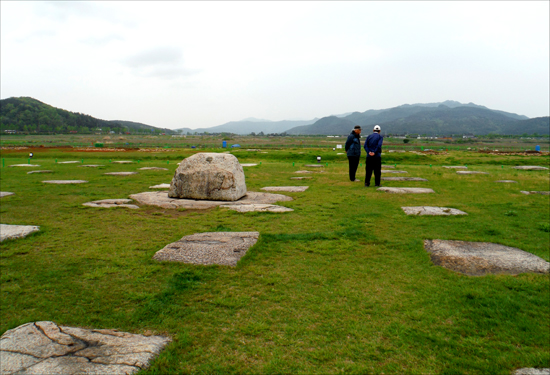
373	147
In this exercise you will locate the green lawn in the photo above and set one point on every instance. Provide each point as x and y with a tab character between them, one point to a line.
340	285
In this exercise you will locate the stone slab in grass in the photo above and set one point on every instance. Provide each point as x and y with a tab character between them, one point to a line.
455	167
300	178
120	173
531	168
224	248
432	211
303	172
402	179
107	203
24	165
507	181
32	172
482	258
5	193
535	192
314	165
16	231
406	190
383	171
46	348
91	165
249	165
69	162
160	186
161	199
532	371
388	166
153	169
257	208
123	161
291	189
64	182
470	172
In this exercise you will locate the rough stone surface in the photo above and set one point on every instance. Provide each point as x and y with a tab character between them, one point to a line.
256	207
32	172
481	258
69	162
249	165
123	161
120	173
432	211
161	199
300	178
5	193
160	186
225	248
532	371
507	181
314	165
406	190
24	165
402	179
455	167
470	172
63	182
292	189
153	169
16	231
91	165
383	171
535	192
210	176
107	203
531	168
46	348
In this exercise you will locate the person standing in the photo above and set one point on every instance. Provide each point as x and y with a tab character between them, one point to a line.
373	147
353	150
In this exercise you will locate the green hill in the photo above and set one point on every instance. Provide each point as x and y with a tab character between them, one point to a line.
28	115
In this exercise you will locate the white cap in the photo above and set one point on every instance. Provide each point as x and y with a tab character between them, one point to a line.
376	127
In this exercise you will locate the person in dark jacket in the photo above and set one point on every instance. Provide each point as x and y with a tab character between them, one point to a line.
353	150
373	147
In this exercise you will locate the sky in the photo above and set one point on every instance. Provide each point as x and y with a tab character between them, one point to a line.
177	64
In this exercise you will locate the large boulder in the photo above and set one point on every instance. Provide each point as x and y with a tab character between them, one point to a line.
209	176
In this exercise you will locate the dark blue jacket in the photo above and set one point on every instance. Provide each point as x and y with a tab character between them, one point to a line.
373	143
353	144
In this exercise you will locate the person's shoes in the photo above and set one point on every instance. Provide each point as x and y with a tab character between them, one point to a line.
377	185
367	185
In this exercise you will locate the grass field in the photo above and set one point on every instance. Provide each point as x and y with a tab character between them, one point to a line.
340	285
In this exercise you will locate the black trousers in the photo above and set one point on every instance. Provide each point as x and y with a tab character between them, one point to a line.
353	163
373	164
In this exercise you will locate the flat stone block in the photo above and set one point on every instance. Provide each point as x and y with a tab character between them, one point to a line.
5	193
107	203
291	189
256	207
314	165
535	192
91	165
160	186
46	348
531	168
153	169
402	179
16	231
161	199
406	190
432	211
224	248
507	181
249	165
64	182
532	371
470	172
300	178
24	165
303	172
123	162
455	167
69	162
388	166
383	171
120	173
482	258
31	172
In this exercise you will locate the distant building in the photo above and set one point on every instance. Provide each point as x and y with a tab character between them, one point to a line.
10	131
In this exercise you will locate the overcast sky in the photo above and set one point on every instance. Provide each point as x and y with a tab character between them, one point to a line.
191	64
